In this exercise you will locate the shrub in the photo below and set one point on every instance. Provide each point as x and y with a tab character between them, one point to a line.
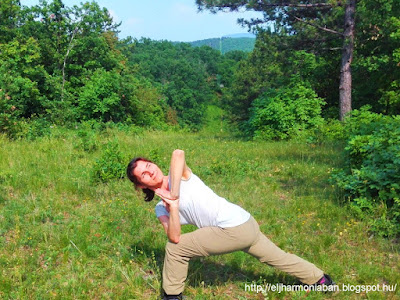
329	130
99	98
35	127
8	116
87	134
285	113
371	178
20	75
110	165
111	96
16	127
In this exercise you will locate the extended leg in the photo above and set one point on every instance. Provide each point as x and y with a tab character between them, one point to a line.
267	252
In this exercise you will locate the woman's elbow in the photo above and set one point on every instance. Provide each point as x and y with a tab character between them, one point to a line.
178	152
175	239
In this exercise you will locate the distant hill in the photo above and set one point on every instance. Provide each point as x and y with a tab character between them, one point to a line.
241	35
228	43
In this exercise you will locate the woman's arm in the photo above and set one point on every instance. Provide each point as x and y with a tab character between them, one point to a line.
178	170
171	224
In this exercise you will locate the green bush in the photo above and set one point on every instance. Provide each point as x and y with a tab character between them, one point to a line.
8	116
16	127
20	75
113	97
99	98
35	128
371	178
285	113
330	130
111	164
87	134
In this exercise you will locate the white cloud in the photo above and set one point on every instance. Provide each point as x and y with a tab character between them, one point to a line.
114	15
181	10
133	21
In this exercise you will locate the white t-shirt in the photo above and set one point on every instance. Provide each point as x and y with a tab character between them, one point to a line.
200	206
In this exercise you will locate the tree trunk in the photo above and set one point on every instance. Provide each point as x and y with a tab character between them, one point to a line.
347	58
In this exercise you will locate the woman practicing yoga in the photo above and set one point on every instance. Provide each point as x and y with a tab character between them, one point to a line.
223	227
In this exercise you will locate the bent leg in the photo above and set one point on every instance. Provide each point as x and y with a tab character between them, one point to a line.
176	263
202	242
267	252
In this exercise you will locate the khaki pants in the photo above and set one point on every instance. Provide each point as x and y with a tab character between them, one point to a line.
215	240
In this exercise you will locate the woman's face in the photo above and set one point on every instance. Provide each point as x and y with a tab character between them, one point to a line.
148	174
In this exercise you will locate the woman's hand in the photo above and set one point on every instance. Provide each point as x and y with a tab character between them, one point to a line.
171	202
172	226
164	194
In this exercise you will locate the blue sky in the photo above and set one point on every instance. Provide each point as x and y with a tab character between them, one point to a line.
174	20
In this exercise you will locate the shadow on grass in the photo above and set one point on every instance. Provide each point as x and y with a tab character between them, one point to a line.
209	273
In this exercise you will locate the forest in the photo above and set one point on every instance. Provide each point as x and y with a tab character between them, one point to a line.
55	58
319	92
227	44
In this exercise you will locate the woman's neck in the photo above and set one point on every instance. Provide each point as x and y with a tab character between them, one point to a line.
165	184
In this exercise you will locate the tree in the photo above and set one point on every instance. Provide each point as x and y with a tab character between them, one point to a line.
186	76
21	75
9	10
260	71
376	72
294	16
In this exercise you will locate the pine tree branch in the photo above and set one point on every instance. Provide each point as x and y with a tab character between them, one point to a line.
333	49
259	5
299	5
319	27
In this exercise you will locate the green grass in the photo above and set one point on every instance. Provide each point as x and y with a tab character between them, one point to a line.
65	236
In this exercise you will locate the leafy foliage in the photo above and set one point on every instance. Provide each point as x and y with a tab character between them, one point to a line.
291	27
99	98
9	12
376	68
87	135
67	65
20	72
227	44
187	76
285	113
253	76
371	177
8	116
111	164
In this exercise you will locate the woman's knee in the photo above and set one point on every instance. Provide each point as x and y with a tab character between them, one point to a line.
171	248
186	248
177	251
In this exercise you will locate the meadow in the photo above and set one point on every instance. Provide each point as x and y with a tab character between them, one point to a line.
66	235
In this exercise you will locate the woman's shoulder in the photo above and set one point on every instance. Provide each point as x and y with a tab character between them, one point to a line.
187	174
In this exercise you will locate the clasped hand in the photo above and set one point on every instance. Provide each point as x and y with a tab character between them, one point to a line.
167	198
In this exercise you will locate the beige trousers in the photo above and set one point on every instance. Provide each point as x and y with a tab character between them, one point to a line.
215	240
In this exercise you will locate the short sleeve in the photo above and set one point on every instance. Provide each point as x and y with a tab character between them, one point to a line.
161	210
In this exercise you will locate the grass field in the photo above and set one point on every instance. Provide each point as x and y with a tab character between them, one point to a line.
65	236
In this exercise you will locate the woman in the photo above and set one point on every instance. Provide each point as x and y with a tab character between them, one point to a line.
223	226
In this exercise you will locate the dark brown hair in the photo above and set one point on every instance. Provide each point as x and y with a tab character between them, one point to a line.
149	194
